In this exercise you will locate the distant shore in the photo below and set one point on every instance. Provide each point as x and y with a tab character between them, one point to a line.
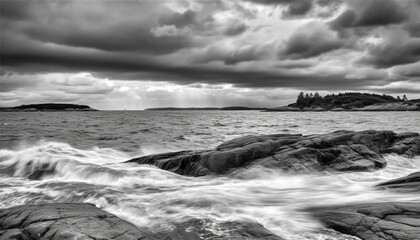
350	101
233	108
47	107
342	102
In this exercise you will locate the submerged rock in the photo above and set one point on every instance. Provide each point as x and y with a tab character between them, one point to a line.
60	221
377	221
341	151
410	183
195	229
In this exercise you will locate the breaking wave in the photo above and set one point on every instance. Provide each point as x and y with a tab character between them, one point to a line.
148	196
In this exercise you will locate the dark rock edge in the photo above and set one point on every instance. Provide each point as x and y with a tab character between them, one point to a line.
386	220
337	151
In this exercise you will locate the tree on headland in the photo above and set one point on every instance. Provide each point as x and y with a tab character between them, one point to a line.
317	99
405	98
301	101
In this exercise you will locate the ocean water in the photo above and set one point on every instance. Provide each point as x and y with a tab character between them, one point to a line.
86	150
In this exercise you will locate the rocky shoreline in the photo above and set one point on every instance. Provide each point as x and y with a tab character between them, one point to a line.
338	151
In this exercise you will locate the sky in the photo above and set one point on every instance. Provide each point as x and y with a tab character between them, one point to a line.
137	54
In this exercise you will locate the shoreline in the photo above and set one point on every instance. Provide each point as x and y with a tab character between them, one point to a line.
336	152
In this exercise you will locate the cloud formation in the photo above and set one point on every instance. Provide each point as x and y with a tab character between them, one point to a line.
248	44
310	40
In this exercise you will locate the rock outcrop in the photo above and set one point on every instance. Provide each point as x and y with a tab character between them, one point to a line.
340	151
62	221
410	183
58	221
377	221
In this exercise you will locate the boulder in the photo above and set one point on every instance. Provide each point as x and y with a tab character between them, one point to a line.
376	221
60	221
410	183
339	151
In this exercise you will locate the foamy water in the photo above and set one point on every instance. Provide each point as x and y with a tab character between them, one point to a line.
85	168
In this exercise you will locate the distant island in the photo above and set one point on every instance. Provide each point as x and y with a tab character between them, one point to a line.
47	107
350	101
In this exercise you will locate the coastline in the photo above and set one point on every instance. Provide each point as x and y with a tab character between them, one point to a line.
334	152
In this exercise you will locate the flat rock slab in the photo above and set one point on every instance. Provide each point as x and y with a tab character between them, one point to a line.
58	221
340	151
410	183
376	221
83	221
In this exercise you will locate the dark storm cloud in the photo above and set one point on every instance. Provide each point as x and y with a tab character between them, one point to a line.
381	12
243	55
371	13
270	2
105	25
397	48
121	66
296	64
409	70
231	57
10	9
235	29
294	7
414	29
302	46
299	7
179	19
312	40
392	54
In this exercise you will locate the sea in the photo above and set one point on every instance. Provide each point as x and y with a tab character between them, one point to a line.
87	151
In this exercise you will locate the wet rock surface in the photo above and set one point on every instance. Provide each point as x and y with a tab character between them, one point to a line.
376	221
340	151
195	229
410	183
65	221
60	221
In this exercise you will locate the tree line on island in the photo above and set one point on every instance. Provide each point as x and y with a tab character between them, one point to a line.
345	100
49	107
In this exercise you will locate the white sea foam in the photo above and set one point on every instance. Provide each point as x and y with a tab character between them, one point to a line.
148	196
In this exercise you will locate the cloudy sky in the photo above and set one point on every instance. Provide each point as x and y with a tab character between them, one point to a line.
135	54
